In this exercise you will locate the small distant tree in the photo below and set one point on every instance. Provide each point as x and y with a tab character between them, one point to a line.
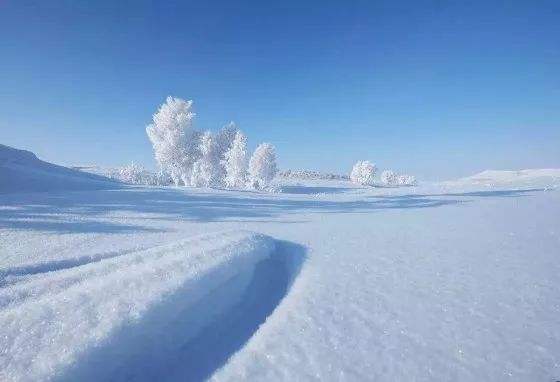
363	173
131	173
174	138
389	178
235	162
406	180
262	166
206	170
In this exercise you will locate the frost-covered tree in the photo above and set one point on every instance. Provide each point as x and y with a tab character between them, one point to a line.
363	173
192	155
174	138
136	174
406	180
235	162
206	170
131	173
262	166
225	137
224	140
161	178
389	178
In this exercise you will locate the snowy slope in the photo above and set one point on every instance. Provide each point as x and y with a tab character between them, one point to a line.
22	171
419	283
520	178
94	169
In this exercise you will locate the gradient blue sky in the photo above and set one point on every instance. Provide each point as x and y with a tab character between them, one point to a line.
435	88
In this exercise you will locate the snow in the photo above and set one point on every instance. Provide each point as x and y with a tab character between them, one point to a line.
22	171
325	280
51	315
533	177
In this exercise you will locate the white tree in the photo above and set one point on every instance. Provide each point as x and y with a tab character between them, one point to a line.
131	173
262	166
406	180
389	178
363	173
224	140
161	178
206	170
235	162
191	156
174	138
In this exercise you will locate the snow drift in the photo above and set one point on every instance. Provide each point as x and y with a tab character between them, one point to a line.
133	316
22	171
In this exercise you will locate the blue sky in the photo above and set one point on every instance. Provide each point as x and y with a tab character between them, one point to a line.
435	88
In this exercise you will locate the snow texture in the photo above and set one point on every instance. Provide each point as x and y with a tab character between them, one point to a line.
50	319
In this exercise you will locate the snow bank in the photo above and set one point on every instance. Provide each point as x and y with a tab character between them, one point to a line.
52	323
22	171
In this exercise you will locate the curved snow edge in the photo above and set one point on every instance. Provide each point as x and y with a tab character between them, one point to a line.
67	313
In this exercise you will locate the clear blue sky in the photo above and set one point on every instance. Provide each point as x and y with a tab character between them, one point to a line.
435	88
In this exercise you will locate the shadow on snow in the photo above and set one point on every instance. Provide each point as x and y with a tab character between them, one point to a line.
84	212
189	342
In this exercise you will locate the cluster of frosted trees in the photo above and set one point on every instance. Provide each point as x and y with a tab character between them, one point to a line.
136	174
364	172
204	159
389	178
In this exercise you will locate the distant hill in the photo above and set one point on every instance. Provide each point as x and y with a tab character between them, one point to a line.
22	171
530	177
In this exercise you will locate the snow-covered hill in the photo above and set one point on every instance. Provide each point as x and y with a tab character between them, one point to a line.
22	171
519	178
95	169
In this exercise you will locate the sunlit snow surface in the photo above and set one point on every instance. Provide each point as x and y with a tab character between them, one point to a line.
323	281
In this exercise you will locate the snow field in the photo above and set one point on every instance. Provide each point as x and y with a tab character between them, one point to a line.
464	291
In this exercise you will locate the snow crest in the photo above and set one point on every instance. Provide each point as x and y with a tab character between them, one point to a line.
50	321
22	171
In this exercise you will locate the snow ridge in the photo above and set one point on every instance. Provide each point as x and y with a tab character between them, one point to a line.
49	321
